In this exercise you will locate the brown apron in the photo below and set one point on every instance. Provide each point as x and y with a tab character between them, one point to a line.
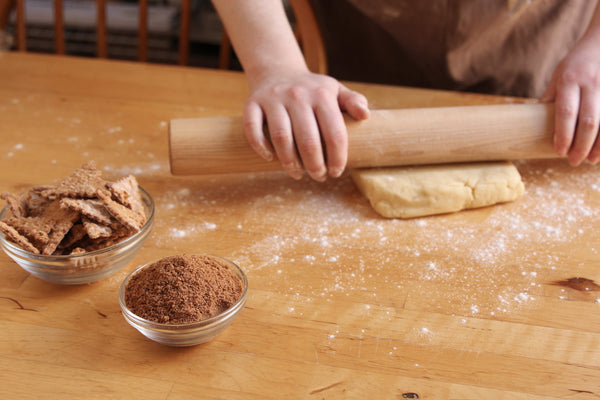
508	47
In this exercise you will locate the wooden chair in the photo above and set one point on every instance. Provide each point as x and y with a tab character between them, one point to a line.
101	31
307	31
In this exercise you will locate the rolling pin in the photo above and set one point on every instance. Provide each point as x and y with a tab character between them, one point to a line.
217	145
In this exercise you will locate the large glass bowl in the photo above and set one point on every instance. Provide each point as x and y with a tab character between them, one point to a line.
81	268
181	335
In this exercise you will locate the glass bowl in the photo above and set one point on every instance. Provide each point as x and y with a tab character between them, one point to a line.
81	268
190	334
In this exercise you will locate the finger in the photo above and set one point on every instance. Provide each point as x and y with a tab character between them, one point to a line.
308	140
253	130
334	135
280	131
566	110
594	156
587	126
354	103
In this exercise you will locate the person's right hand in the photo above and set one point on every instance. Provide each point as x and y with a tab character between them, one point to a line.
303	113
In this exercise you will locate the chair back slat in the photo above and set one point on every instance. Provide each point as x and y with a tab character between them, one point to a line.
184	32
101	31
143	31
308	30
59	27
21	29
6	7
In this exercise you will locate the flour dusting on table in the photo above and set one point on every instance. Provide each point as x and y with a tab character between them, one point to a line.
291	228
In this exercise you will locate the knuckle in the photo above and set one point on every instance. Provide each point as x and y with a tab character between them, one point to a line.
296	93
250	126
588	123
279	136
322	93
309	147
335	138
568	76
566	110
275	90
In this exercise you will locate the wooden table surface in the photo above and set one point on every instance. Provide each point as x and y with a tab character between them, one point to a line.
342	303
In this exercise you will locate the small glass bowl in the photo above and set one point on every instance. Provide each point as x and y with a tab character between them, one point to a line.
81	268
182	335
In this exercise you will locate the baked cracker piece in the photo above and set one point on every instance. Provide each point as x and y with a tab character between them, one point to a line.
127	192
84	182
73	237
18	239
35	203
16	204
77	251
95	231
61	219
131	219
35	229
91	208
102	243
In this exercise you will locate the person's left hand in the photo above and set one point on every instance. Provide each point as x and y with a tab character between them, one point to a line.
575	89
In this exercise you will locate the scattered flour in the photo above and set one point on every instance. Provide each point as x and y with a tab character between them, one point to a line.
495	261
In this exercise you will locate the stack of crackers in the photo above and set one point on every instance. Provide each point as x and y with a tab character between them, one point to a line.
82	213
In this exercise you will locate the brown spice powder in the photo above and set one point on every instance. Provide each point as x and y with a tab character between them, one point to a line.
182	289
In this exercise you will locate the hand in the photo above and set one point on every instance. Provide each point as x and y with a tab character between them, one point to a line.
575	88
303	112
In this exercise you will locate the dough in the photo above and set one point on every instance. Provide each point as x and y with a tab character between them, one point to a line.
406	192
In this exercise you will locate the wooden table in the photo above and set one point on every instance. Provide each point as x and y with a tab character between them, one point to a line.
342	303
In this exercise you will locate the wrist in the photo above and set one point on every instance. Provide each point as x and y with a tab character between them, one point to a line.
258	73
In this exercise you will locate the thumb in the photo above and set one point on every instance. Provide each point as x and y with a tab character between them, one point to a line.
354	103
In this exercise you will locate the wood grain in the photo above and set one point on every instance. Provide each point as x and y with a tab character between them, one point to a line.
433	135
342	304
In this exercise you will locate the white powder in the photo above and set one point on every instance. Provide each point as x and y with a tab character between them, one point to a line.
178	233
494	263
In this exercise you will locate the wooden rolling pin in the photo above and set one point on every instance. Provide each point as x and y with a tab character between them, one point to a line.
388	138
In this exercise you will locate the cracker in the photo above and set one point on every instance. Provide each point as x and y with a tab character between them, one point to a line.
102	243
16	204
84	182
91	208
62	220
73	237
35	229
34	202
82	213
18	239
78	251
131	219
95	231
127	192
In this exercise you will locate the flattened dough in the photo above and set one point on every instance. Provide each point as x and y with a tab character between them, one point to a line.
407	192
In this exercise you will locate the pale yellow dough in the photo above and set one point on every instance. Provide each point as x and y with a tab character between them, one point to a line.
407	192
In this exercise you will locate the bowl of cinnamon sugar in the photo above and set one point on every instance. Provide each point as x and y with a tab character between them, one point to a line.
183	300
80	230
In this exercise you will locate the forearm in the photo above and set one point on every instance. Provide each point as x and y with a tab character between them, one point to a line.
261	35
593	30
